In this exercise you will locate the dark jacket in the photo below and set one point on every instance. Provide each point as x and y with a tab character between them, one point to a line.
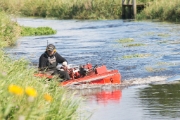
44	63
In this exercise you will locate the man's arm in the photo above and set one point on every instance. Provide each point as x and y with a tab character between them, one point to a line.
42	63
60	59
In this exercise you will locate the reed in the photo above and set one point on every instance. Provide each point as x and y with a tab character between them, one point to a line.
163	10
64	9
10	30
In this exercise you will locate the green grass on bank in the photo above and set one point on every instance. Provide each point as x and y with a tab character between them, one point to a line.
23	96
27	97
10	30
64	9
163	10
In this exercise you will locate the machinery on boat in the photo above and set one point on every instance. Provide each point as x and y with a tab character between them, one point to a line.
87	74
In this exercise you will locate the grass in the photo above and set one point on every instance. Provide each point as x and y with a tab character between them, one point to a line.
28	97
162	10
91	9
64	9
10	30
23	96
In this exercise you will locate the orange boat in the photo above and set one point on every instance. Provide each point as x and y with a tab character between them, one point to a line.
87	74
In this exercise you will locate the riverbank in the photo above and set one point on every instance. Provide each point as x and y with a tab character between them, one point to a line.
161	10
99	9
24	96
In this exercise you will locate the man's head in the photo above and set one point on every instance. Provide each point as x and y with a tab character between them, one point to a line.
51	49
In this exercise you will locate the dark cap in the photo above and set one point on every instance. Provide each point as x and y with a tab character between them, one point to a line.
50	47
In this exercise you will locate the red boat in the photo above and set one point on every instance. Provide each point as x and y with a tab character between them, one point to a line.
87	74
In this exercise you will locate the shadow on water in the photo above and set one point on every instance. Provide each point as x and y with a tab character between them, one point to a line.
161	100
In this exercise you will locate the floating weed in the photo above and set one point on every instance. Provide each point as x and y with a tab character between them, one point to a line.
136	56
175	42
166	64
150	69
126	40
163	35
29	31
134	45
149	34
164	41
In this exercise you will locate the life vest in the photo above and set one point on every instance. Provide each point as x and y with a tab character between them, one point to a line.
52	62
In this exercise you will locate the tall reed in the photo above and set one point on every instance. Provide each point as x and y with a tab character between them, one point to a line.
168	10
64	9
10	30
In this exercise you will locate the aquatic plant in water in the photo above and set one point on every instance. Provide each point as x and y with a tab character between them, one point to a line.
136	56
29	31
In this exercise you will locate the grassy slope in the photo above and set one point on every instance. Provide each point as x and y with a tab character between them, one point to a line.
24	96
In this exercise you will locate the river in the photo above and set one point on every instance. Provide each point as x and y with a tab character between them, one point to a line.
151	55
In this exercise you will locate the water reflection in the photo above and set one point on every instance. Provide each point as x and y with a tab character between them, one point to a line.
102	96
161	100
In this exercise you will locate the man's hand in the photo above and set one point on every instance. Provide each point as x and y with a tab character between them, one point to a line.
64	63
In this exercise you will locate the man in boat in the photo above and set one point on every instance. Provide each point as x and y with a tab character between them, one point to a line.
49	60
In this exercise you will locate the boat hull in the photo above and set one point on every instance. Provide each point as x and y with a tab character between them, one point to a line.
88	75
109	77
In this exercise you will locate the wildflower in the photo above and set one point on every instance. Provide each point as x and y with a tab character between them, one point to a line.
31	92
17	90
48	97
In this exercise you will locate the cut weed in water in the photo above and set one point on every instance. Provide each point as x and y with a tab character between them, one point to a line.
134	45
29	31
136	56
126	40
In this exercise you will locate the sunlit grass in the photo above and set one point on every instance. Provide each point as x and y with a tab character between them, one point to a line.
64	9
23	95
164	10
10	30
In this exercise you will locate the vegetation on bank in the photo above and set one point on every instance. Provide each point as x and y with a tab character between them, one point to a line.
10	30
70	9
23	96
64	9
163	10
